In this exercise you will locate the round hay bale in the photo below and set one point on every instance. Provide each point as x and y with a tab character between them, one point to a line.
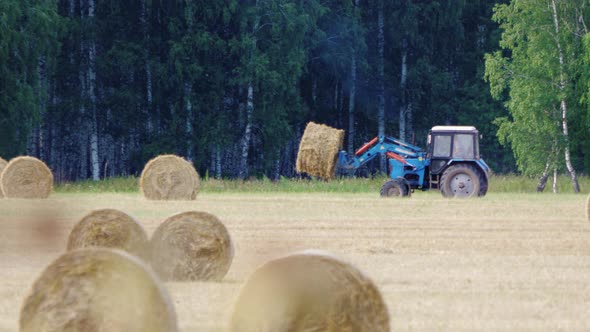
309	291
588	209
109	228
3	164
97	289
318	150
26	177
191	246
169	177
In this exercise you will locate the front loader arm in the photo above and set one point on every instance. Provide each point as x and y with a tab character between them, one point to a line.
382	145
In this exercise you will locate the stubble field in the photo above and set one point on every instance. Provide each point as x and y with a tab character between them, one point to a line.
516	262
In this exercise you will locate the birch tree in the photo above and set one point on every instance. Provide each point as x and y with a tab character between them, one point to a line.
381	77
538	76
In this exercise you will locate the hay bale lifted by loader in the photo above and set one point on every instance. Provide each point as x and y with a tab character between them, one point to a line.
451	163
318	150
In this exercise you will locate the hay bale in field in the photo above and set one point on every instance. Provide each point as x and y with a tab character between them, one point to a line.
3	164
588	209
191	246
318	150
169	177
110	228
26	177
97	289
309	291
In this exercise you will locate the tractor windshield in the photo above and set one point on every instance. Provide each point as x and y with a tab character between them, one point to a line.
442	146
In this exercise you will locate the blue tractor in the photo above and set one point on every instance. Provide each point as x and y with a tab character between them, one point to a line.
451	163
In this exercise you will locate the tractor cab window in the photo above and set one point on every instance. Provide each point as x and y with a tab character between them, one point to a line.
463	146
442	146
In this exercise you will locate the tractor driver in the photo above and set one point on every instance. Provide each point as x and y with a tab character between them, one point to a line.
463	146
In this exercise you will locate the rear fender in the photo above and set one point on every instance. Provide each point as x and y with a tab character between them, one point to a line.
478	164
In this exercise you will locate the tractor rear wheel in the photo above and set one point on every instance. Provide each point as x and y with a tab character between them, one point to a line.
461	181
483	186
395	188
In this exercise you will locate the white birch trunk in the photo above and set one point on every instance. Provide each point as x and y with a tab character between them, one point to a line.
71	7
402	85
410	123
277	167
94	158
352	96
351	104
83	127
544	177
147	68
381	84
189	121
43	103
243	171
217	162
247	133
336	108
563	104
555	181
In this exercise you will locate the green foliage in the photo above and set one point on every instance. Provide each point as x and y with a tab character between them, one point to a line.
528	76
28	43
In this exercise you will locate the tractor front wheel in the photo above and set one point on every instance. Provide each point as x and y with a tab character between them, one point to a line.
395	188
461	181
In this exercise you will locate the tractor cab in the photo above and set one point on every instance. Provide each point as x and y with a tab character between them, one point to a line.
452	143
456	167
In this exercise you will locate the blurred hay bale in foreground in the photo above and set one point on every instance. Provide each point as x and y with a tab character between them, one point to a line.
191	246
3	164
309	291
97	289
110	228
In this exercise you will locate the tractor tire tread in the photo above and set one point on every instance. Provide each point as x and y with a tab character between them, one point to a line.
404	189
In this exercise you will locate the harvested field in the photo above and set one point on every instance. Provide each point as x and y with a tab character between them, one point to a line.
504	262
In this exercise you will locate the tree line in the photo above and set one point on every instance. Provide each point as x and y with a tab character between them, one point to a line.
97	87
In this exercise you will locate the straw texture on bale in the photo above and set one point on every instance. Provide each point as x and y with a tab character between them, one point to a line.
97	289
3	164
26	177
588	208
191	246
309	291
110	228
169	177
318	150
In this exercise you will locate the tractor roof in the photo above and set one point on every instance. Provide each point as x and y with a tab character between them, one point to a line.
453	128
